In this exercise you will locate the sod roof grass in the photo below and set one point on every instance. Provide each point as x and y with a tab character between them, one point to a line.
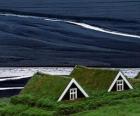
43	85
93	79
138	76
51	86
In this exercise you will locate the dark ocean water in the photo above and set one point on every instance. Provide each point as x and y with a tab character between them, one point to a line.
33	41
10	87
13	79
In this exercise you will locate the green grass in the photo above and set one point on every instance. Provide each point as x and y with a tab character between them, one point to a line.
95	102
45	86
93	79
127	107
51	86
4	100
97	105
138	76
23	110
36	112
40	99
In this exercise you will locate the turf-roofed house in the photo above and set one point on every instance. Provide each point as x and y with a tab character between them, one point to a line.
54	87
93	79
81	83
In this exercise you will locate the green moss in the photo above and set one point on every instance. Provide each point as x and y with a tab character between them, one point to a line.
12	110
138	76
42	86
36	98
23	110
51	86
36	112
125	107
28	106
93	79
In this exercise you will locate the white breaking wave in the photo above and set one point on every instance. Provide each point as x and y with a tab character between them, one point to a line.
104	30
14	73
9	88
16	15
84	25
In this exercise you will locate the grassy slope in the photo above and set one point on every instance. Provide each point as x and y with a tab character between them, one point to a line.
124	106
93	79
42	85
95	105
22	110
138	76
50	86
101	103
127	107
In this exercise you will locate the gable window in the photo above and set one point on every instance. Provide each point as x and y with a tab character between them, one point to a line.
73	93
120	85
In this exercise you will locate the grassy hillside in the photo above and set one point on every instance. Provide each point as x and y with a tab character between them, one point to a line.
138	76
50	86
35	100
95	105
93	79
125	107
47	86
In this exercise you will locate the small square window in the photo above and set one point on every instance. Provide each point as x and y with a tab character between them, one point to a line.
73	93
120	85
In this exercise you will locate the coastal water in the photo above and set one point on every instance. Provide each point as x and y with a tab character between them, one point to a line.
59	34
101	33
13	80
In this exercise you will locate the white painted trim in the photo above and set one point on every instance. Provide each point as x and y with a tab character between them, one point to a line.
69	85
116	78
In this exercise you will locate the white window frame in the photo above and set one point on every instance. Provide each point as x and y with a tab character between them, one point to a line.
73	81
116	78
120	85
73	93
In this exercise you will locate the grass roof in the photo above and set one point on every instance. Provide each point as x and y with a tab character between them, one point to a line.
51	86
94	79
138	76
43	85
